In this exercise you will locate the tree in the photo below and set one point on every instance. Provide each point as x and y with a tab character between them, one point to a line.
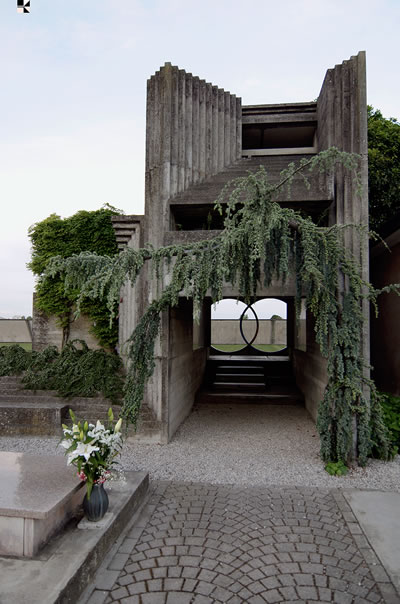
63	237
259	238
384	170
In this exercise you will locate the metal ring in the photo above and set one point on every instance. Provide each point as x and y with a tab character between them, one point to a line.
249	306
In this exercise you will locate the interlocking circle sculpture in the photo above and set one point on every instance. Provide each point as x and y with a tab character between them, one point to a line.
249	307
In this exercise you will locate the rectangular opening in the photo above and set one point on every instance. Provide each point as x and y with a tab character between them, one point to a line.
278	136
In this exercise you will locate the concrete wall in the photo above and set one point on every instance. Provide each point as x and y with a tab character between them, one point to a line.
228	332
193	130
310	369
130	301
185	365
16	331
342	122
46	331
385	332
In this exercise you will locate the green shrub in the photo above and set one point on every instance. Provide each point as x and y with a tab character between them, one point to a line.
391	416
13	360
76	371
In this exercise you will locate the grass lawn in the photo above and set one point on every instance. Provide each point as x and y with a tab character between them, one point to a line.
236	347
24	345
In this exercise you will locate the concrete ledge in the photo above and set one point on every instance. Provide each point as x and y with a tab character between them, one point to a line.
36	419
67	565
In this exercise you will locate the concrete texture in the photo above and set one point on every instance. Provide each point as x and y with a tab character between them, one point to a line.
16	331
200	544
198	138
47	332
38	497
228	331
66	565
378	514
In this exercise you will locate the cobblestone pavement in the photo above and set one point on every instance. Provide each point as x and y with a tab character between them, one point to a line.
199	544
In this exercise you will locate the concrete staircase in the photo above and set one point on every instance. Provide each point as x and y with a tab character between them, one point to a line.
250	379
41	412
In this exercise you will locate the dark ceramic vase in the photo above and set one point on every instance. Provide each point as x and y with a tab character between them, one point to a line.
97	505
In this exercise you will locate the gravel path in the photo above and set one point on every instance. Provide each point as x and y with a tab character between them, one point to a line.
238	444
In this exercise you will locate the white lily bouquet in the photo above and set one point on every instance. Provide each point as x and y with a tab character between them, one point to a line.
92	448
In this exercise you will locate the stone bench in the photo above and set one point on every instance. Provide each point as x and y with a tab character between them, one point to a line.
38	495
32	418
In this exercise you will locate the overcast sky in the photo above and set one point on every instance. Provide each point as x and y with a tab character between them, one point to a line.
73	85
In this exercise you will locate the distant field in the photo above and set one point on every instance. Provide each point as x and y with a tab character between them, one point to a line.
25	345
236	347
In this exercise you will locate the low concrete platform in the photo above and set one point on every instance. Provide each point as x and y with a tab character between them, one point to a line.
28	417
378	514
38	496
67	564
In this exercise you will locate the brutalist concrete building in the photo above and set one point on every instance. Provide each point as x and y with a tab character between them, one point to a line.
198	138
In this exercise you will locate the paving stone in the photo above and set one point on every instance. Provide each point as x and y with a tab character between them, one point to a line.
175	597
154	598
137	588
206	543
307	593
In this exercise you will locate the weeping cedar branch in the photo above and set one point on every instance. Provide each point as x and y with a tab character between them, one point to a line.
260	240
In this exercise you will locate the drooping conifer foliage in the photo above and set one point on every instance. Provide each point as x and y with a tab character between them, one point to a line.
261	241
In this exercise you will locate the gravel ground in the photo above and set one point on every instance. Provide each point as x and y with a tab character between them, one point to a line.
238	444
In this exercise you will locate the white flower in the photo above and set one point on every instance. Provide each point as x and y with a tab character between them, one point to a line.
66	444
75	429
85	450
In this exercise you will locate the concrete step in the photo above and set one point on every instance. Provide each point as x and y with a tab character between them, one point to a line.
239	369
19	419
48	398
238	386
249	397
19	391
256	378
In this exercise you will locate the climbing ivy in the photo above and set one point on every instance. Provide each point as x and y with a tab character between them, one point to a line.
56	236
260	241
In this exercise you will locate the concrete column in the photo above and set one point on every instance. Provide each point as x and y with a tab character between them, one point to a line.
165	138
181	129
195	131
233	127
174	132
202	130
188	129
238	128
227	129
221	129
215	130
209	128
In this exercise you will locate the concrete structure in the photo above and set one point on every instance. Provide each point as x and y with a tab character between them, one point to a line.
46	331
38	497
227	331
198	138
66	565
16	331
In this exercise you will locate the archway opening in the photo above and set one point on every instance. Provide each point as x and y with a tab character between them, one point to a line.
260	326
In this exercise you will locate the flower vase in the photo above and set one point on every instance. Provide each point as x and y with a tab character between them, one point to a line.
97	505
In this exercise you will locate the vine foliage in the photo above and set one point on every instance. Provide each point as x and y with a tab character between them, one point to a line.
75	371
261	241
56	236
